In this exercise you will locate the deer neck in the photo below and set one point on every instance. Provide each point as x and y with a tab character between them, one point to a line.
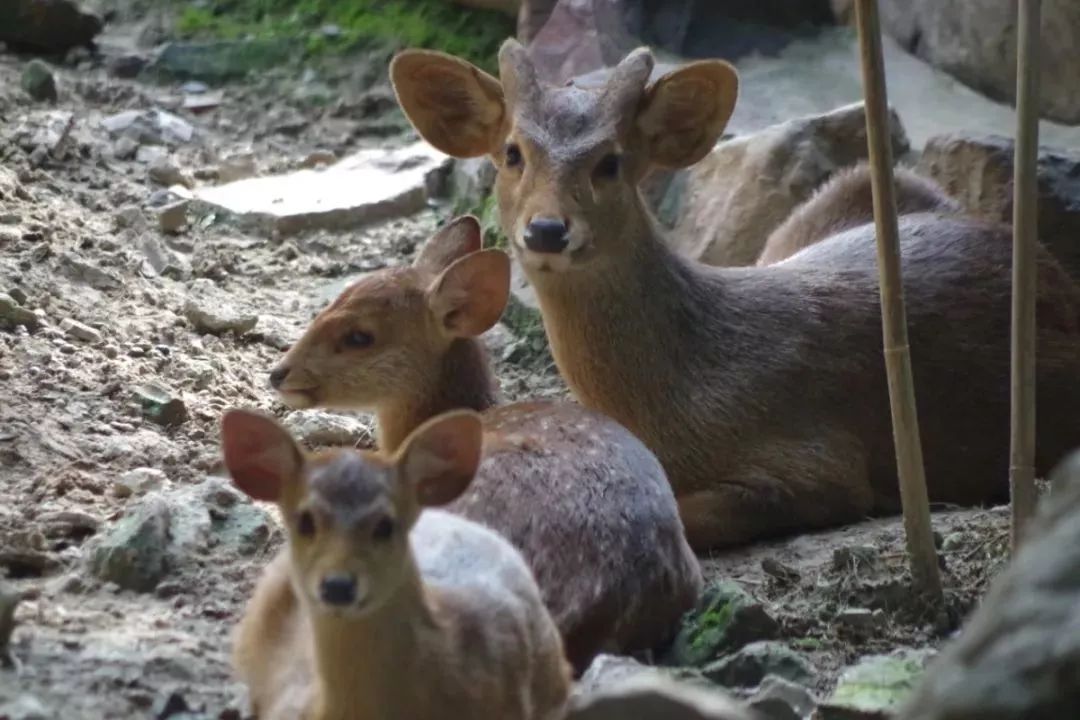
462	379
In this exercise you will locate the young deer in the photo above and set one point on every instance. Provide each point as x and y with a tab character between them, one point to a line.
762	390
846	201
380	609
584	500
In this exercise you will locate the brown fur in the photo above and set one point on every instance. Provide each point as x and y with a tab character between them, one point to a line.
761	390
448	621
846	201
584	500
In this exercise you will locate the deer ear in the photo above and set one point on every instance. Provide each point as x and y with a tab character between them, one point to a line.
439	459
456	239
684	113
470	296
454	105
260	455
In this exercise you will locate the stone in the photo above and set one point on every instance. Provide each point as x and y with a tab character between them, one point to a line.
238	166
749	665
780	699
654	697
49	25
370	186
12	314
38	82
1018	654
977	170
129	217
160	406
853	558
139	481
210	310
317	427
133	553
318	157
9	601
161	260
726	619
25	707
976	43
172	218
150	154
165	172
220	60
126	65
727	205
125	148
876	686
860	619
471	182
80	331
155	127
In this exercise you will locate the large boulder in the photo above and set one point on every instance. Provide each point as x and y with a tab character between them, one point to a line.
47	25
724	208
1019	655
976	43
977	170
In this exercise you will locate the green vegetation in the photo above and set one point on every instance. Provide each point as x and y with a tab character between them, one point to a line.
436	24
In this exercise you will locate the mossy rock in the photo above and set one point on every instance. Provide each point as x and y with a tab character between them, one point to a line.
726	619
748	666
877	685
220	60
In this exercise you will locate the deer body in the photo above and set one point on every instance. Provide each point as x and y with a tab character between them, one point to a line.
762	390
583	499
457	629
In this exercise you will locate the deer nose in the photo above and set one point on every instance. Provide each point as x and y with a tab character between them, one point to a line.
546	235
338	590
277	376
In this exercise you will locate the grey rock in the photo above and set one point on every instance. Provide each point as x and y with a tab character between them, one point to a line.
25	707
317	427
125	148
50	25
749	665
855	558
9	601
38	81
160	406
726	619
80	331
150	154
127	65
780	699
155	127
172	218
133	553
275	332
655	697
221	60
210	310
860	619
876	686
471	181
165	172
161	260
12	314
129	217
140	481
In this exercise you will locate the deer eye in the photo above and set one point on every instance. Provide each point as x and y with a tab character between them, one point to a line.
513	155
607	168
358	339
384	529
305	524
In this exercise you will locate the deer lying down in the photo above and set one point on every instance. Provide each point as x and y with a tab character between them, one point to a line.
379	609
846	201
762	390
584	500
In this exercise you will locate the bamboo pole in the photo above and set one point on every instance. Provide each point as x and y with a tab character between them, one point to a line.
909	459
1025	232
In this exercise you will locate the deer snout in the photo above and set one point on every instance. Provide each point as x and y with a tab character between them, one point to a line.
547	235
278	375
339	590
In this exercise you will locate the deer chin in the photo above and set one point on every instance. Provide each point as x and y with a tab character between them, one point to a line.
574	254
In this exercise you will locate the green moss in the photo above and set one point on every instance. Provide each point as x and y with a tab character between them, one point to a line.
807	643
436	24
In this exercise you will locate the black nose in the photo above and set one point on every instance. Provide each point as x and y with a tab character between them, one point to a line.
277	376
338	590
546	235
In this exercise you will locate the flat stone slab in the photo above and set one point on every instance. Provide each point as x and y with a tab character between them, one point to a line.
369	186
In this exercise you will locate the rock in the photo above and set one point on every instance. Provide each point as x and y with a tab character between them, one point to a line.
656	698
79	331
316	427
609	671
317	158
471	182
140	481
150	154
12	314
38	81
129	217
155	127
165	172
211	310
9	600
160	260
50	132
235	167
977	170
217	61
977	45
133	553
25	707
127	65
50	25
749	665
876	686
369	186
780	699
726	619
203	101
172	218
853	558
728	203
860	619
160	406
125	148
1017	656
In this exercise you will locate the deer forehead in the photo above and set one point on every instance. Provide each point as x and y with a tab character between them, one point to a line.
348	483
384	290
567	123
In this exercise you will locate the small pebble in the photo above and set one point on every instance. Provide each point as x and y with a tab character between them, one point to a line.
75	329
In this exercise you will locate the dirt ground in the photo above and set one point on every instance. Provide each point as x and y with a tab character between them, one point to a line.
71	425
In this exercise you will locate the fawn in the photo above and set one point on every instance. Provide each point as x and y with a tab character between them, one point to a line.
381	607
761	389
584	500
846	201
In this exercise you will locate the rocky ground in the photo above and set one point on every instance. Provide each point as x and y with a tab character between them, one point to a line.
131	315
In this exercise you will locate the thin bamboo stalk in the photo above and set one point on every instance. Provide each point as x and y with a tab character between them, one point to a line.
909	458
1025	232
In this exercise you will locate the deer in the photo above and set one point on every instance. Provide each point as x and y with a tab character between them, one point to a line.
762	390
582	498
382	606
846	201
